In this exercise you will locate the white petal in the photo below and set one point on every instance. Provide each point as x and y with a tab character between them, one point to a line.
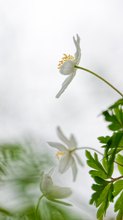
78	160
78	49
62	137
74	170
65	84
65	163
57	192
73	141
57	145
46	183
67	67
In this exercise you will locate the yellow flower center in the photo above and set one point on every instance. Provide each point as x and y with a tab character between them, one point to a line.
64	59
60	154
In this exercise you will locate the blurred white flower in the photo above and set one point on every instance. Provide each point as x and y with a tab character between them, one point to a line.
67	153
51	191
67	65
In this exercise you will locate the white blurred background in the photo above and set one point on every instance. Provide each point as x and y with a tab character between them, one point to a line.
33	37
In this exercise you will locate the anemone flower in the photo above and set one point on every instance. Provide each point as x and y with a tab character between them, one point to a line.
53	192
67	153
67	65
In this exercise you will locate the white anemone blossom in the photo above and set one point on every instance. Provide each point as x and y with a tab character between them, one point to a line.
66	153
53	192
67	65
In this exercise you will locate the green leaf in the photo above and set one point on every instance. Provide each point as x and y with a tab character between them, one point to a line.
119	203
114	115
112	147
98	190
103	190
119	160
93	162
119	207
105	193
100	212
118	187
115	141
102	197
99	180
97	173
103	139
116	104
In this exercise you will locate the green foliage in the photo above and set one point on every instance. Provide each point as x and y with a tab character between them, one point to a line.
8	153
21	168
118	186
98	169
119	160
21	174
50	211
119	207
106	187
114	115
118	189
103	189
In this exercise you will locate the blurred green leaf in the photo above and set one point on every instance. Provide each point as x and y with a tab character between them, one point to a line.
21	175
51	211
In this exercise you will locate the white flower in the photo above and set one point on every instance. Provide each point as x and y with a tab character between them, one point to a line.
67	153
67	65
51	191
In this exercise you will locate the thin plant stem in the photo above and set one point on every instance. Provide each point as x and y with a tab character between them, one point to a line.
36	211
91	148
101	78
118	163
115	179
88	148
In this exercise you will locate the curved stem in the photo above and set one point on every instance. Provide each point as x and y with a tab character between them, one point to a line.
118	163
88	148
101	78
115	179
38	204
91	148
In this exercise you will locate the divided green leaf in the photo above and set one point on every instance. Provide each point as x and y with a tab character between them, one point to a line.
114	115
119	207
119	160
98	169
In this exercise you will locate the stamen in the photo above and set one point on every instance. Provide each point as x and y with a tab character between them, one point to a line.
60	154
64	59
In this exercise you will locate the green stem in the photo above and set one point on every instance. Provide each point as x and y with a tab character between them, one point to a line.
88	148
99	77
38	205
118	163
115	179
91	148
